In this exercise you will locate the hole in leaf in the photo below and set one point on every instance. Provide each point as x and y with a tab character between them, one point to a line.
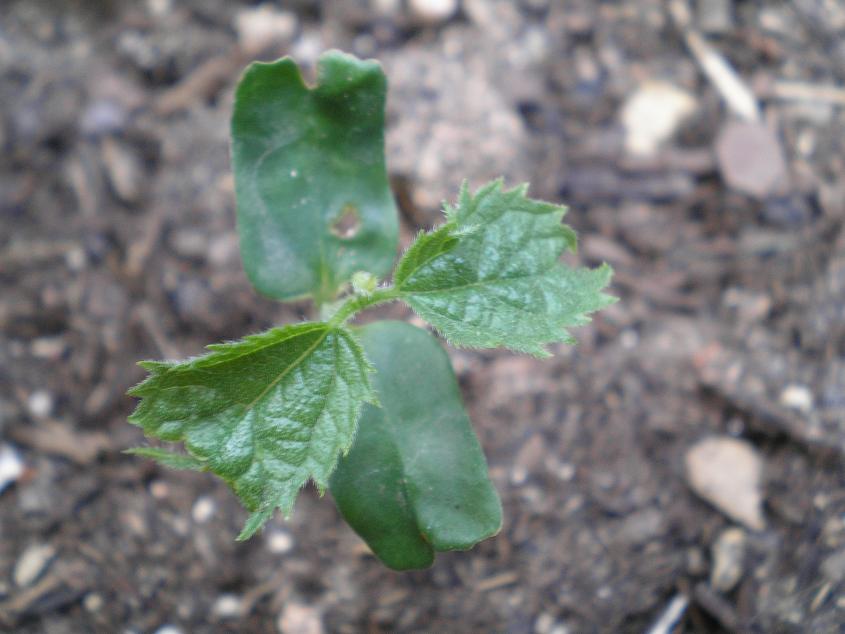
347	223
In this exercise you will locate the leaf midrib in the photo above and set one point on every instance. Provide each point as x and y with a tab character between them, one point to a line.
479	283
290	367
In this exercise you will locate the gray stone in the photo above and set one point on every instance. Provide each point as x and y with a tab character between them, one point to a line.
833	567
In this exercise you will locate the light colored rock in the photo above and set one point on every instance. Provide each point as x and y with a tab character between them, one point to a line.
190	243
262	27
93	602
123	169
387	7
32	563
652	114
433	11
797	397
727	472
279	542
169	629
298	618
102	116
40	403
227	606
160	8
833	566
715	16
203	509
530	456
751	159
728	555
544	623
11	466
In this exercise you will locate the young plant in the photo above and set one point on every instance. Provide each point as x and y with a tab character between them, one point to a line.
372	413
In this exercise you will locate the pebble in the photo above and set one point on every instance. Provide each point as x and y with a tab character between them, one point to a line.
386	7
728	555
433	11
544	623
11	466
159	489
751	158
169	629
227	606
797	397
40	403
652	114
123	170
263	27
102	116
47	347
695	562
298	618
32	563
833	567
223	249
190	243
641	526
93	602
715	16
203	509
160	8
530	456
279	542
727	473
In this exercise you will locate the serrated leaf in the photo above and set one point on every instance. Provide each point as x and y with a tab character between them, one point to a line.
314	202
266	413
415	480
491	276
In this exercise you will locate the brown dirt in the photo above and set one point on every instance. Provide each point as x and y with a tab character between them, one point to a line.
118	243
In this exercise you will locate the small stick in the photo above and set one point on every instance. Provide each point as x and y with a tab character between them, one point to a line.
670	616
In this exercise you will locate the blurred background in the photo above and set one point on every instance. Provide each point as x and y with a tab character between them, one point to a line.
680	470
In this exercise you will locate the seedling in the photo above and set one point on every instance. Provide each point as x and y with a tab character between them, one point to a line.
373	412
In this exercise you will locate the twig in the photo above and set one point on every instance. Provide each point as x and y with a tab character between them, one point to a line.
670	616
800	91
735	92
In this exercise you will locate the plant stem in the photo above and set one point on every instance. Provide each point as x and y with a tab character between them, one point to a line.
358	303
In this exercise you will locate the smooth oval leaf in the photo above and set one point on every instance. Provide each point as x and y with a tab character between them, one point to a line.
491	276
266	413
314	202
415	480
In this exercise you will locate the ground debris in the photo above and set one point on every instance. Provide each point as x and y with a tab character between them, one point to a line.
727	473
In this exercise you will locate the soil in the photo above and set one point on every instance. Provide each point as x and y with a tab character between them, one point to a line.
118	243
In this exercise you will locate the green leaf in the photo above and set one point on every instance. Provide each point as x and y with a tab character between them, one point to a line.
266	413
168	458
314	202
491	276
415	480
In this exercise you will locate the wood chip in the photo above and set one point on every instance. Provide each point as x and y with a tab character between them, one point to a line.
497	581
816	93
199	85
60	439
